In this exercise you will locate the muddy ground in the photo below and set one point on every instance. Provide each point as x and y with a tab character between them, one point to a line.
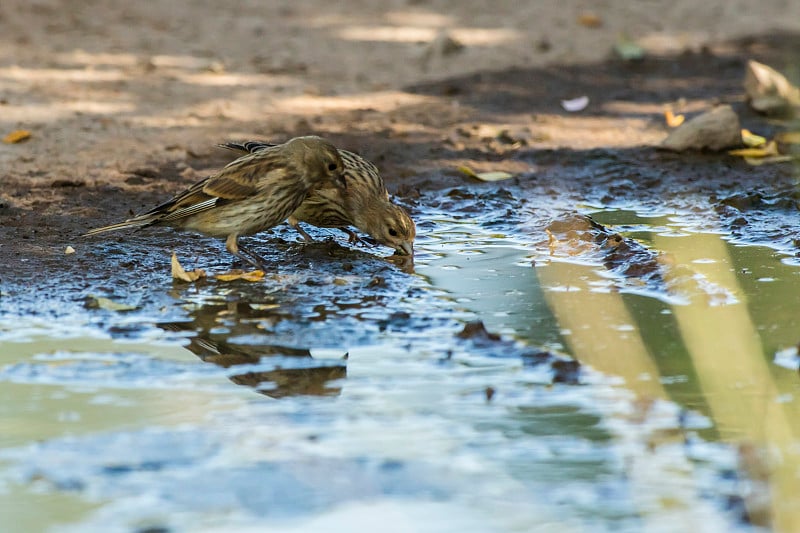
125	106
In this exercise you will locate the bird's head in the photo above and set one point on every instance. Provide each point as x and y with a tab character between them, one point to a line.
321	158
391	226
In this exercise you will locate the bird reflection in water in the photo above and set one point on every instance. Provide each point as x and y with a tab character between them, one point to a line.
307	377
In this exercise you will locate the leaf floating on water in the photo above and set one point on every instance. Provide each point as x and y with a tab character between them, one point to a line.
751	140
17	136
788	137
182	275
575	104
627	49
768	149
233	275
108	304
673	120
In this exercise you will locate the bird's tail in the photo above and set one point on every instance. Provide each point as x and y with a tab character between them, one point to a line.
136	222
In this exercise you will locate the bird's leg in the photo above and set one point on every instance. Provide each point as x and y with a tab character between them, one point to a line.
293	222
252	258
352	238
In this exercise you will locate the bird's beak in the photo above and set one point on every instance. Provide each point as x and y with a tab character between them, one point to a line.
342	182
406	248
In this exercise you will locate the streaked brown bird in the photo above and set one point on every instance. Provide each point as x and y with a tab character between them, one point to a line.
251	194
365	203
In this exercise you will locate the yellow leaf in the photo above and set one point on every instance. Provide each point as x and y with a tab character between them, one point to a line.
768	149
182	275
788	137
464	169
110	305
253	275
752	140
493	176
758	161
673	120
69	250
17	136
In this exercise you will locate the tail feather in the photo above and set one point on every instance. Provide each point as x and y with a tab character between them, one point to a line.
250	147
136	222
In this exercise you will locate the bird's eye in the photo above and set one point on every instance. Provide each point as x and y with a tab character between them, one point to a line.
393	232
332	166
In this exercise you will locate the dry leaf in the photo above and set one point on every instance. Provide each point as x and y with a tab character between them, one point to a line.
17	136
493	176
590	20
673	120
751	140
467	171
182	275
575	104
768	90
788	137
768	149
498	175
758	161
69	250
232	275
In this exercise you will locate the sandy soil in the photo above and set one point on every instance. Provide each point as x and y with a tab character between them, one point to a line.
126	100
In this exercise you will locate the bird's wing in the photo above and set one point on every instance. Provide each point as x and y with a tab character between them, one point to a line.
239	179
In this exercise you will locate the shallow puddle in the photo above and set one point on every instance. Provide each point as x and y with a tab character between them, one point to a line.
346	394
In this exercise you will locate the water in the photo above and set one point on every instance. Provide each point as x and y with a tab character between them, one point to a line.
340	397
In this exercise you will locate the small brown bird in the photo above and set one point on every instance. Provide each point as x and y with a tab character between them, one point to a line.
251	194
365	204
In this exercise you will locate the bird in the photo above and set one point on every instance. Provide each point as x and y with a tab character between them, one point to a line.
250	194
365	203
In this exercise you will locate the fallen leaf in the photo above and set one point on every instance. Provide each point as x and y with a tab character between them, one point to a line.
768	91
493	176
497	175
467	171
758	161
232	275
109	305
69	250
590	20
788	137
17	136
182	275
673	120
575	104
768	149
751	140
627	49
